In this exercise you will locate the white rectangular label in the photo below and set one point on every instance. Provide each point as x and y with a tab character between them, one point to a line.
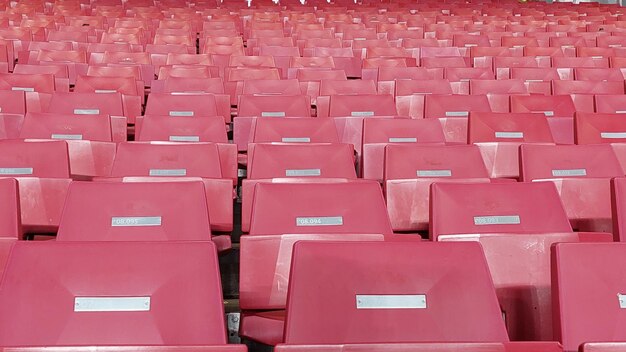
296	140
457	113
132	221
67	136
23	89
168	172
402	140
105	91
184	139
111	304
320	221
390	301
181	113
620	111
497	220
548	113
612	135
16	171
434	173
272	114
509	134
303	172
622	300
534	80
569	172
361	113
86	111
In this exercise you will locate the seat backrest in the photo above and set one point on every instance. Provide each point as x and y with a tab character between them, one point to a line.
502	86
322	207
402	131
439	106
509	207
296	130
89	84
86	104
587	288
362	105
127	299
183	129
550	106
181	105
597	128
302	160
391	292
40	83
167	159
274	106
508	127
66	127
20	158
413	161
565	161
351	87
117	211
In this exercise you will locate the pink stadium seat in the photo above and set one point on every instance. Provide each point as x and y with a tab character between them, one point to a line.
162	161
573	62
132	91
582	174
264	280
274	106
587	273
460	74
411	169
40	83
11	222
499	136
331	207
499	91
271	87
182	129
437	106
429	271
378	133
85	104
362	105
188	85
525	300
294	131
181	105
301	162
597	128
549	106
132	295
12	102
618	189
115	211
513	208
598	74
611	104
43	173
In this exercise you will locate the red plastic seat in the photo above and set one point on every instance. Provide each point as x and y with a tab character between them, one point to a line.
43	173
598	74
362	105
610	104
182	129
582	174
85	104
265	278
330	207
271	87
214	164
499	135
274	106
550	106
411	169
12	102
499	91
497	208
115	211
378	133
597	128
181	105
131	296
40	83
294	131
587	283
421	289
573	62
